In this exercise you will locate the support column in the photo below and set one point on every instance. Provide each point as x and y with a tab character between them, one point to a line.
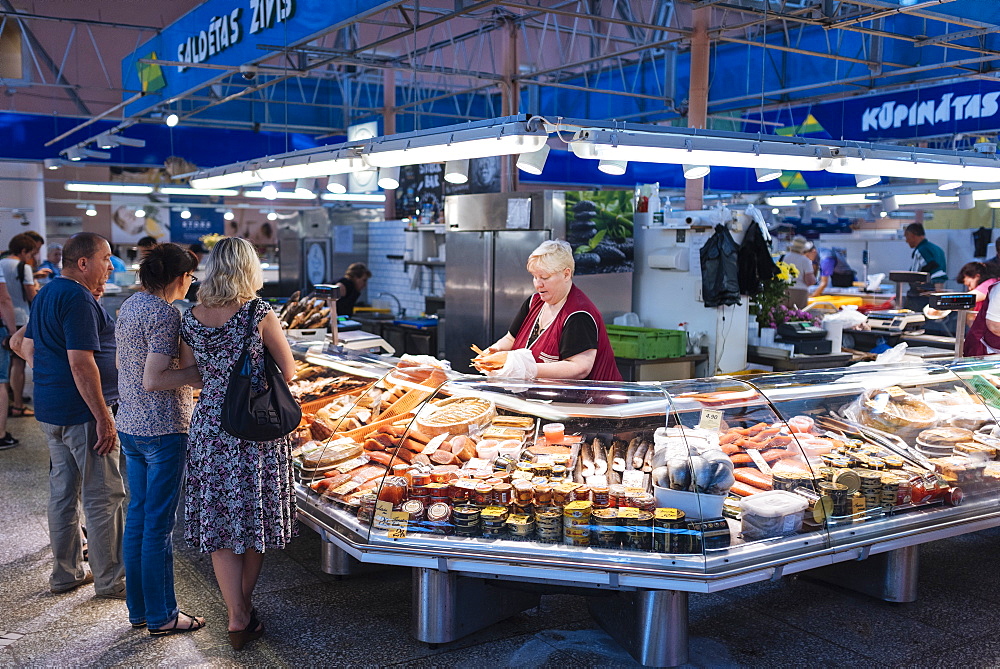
652	625
389	125
889	576
510	96
694	189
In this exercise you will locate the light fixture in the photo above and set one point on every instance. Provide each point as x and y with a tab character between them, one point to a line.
690	147
534	162
140	213
279	195
226	177
185	213
388	178
912	163
813	206
206	192
305	186
172	120
272	216
304	166
994	205
229	215
615	167
91	187
457	171
767	174
354	197
482	140
775	211
889	202
695	171
966	200
883	213
269	191
109	140
78	153
337	183
91	210
949	184
53	163
866	180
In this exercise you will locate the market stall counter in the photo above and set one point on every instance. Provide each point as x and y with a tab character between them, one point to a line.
643	493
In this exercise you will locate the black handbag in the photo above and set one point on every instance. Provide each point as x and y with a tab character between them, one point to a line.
263	416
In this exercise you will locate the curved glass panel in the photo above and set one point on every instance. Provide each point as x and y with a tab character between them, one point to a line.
766	500
897	447
558	471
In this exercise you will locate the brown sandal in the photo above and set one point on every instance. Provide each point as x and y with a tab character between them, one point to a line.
20	412
253	631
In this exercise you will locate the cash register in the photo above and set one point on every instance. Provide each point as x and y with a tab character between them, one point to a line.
805	337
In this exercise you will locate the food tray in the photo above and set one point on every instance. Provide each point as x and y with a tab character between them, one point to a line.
456	415
646	343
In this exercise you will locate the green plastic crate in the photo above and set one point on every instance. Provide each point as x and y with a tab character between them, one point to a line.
646	343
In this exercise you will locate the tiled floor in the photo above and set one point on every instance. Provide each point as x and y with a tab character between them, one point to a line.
314	619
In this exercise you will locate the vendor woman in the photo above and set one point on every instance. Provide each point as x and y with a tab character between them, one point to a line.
559	324
352	283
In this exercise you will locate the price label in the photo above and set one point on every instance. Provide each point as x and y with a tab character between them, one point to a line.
668	514
895	391
396	526
632	478
477	463
759	460
383	509
569	486
346	488
628	512
711	419
352	464
518	519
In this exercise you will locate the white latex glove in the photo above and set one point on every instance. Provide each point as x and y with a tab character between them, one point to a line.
520	365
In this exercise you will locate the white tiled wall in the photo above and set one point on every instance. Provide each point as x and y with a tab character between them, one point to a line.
387	238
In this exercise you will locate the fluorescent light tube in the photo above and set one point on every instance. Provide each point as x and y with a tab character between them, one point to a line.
207	192
434	147
915	165
85	187
225	177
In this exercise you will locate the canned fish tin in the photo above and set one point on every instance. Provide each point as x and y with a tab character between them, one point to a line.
549	524
492	520
639	531
578	509
604	528
893	462
520	526
670	533
784	481
366	511
466	520
559	472
414	508
828	473
849	479
582	493
710	534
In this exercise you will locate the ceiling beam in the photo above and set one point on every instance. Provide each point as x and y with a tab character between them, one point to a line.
890	11
951	37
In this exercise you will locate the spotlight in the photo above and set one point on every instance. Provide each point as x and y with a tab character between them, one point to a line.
614	167
534	162
337	183
77	153
140	213
91	210
949	184
185	214
966	200
305	187
456	171
775	211
271	216
696	171
766	174
883	214
53	163
269	191
889	203
388	178
229	215
172	120
866	180
812	206
109	140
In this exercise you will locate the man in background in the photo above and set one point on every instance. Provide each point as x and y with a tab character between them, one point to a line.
927	257
19	278
72	343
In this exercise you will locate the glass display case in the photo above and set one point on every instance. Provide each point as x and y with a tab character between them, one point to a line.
678	481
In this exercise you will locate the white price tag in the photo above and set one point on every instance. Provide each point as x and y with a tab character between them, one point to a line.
632	478
711	419
759	460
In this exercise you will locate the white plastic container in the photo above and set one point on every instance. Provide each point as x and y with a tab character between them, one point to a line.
772	514
694	505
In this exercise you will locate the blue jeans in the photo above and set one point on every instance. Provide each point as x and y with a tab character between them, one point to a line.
155	469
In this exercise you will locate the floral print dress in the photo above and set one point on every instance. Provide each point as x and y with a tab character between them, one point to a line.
239	494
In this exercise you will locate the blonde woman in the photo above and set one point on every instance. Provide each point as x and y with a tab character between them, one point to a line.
239	497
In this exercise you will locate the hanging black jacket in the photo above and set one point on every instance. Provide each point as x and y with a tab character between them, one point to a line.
756	266
719	285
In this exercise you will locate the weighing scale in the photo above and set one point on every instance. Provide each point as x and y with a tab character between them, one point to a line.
958	302
896	321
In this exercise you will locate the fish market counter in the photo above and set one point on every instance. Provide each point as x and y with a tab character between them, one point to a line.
642	493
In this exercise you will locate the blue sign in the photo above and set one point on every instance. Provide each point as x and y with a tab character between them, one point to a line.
203	221
226	32
934	111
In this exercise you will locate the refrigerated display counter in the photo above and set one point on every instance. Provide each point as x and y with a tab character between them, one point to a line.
647	491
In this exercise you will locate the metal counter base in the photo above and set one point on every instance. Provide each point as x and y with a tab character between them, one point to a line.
890	576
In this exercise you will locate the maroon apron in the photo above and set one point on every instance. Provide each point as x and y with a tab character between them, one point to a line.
546	347
979	336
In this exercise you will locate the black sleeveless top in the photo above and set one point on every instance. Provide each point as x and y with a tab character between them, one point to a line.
345	305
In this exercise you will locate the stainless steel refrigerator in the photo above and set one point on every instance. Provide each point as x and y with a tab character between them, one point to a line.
489	238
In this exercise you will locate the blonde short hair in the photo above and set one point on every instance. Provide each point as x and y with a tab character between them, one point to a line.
553	255
232	274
